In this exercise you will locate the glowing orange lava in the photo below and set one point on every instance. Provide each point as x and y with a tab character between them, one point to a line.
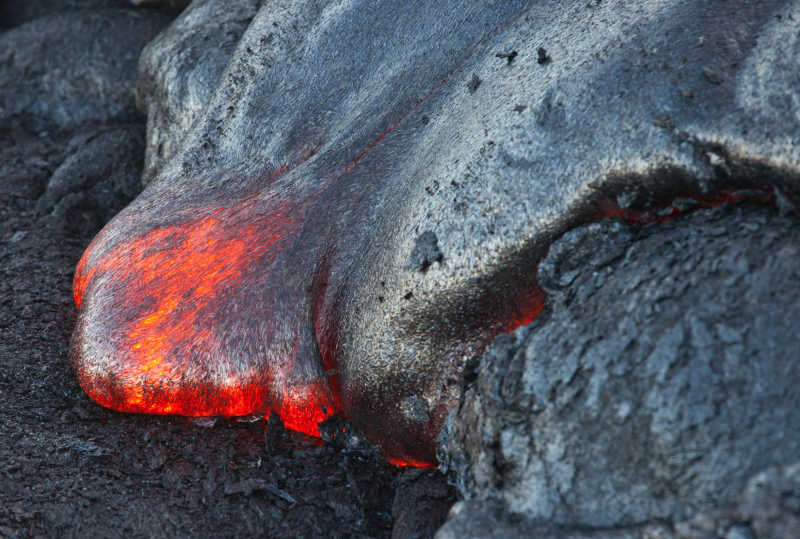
400	463
609	208
529	309
173	281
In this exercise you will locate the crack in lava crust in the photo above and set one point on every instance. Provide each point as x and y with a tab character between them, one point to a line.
176	289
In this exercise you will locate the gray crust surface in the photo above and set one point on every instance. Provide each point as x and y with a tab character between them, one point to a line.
661	377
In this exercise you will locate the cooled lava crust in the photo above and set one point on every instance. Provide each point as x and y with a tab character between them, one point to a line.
362	203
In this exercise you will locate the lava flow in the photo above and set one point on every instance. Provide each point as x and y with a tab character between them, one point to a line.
180	319
175	290
164	303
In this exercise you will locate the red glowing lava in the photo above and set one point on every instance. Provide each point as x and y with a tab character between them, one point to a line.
400	463
528	310
609	208
171	284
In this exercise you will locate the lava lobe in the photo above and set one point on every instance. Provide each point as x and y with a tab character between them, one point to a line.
177	290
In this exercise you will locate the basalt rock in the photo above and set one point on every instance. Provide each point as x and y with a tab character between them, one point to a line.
17	12
659	379
421	503
89	81
765	507
266	265
180	69
100	176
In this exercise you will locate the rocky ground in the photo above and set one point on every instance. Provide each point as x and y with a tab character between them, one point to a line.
652	397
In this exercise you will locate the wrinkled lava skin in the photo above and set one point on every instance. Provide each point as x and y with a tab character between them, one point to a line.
266	265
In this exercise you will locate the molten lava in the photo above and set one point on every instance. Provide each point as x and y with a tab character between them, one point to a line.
171	293
608	208
175	283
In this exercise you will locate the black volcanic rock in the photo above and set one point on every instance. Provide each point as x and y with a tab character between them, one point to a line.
657	382
74	66
17	12
99	177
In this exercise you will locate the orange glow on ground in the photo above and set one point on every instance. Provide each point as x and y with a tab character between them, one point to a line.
400	463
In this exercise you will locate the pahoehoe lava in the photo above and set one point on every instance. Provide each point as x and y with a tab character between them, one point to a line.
266	265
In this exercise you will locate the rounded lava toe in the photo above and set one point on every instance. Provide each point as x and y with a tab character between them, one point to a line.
165	342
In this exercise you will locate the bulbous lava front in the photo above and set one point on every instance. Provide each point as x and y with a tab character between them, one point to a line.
175	319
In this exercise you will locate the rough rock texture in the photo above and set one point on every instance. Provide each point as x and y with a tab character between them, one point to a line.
16	12
74	66
486	518
99	176
175	4
766	507
179	71
660	378
422	501
356	125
